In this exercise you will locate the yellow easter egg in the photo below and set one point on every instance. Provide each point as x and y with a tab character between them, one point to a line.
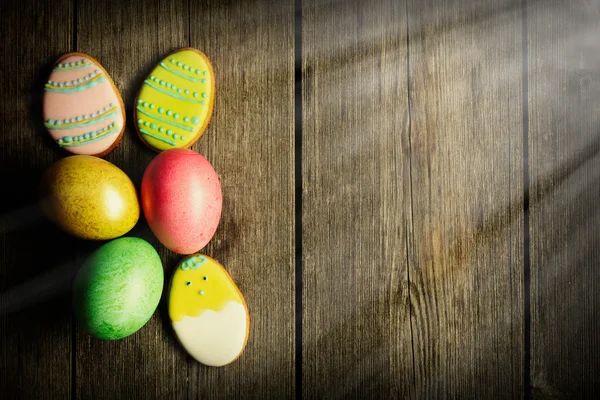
175	103
208	312
89	197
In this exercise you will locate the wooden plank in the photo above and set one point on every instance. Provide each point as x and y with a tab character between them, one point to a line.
129	38
564	105
467	182
356	201
250	143
35	257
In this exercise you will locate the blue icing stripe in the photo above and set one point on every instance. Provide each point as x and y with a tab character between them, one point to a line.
176	96
144	132
166	121
86	122
70	141
75	89
184	76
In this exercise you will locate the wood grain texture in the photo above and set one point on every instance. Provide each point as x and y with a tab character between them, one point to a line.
356	201
466	261
564	140
250	143
35	311
129	39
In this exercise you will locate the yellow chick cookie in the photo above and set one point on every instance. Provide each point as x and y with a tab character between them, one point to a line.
208	312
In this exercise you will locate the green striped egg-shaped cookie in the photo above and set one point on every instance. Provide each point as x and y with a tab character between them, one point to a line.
175	103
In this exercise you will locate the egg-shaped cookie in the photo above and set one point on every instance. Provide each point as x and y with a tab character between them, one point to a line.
89	197
208	312
175	103
82	108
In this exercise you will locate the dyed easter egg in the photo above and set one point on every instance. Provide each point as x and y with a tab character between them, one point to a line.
181	199
83	110
208	312
89	197
118	288
175	103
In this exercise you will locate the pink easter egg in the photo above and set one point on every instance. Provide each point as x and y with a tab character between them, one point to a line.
182	200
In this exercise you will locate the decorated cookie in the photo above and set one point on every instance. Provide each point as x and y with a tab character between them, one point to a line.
83	110
208	312
181	199
89	197
175	103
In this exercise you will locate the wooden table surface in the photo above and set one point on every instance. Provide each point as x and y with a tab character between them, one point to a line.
410	192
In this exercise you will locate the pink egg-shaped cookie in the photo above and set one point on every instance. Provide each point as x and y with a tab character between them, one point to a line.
83	110
182	200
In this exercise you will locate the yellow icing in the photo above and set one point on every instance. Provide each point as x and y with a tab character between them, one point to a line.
155	94
218	289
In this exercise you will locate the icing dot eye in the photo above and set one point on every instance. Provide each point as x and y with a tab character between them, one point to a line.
205	278
188	283
201	292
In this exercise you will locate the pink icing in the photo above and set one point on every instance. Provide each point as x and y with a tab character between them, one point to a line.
58	106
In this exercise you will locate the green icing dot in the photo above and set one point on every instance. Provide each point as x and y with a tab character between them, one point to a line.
151	77
179	90
172	61
57	122
151	106
78	118
179	63
175	136
195	120
140	121
182	138
192	70
86	135
161	129
203	80
197	72
196	94
185	67
205	73
205	95
59	65
202	293
140	101
176	116
186	119
50	121
106	108
169	132
187	91
153	126
146	123
162	83
67	139
161	110
169	113
72	64
93	134
145	104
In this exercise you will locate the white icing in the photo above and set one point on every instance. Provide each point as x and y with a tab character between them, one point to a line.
214	338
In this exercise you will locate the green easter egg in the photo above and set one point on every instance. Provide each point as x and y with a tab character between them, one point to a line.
118	288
